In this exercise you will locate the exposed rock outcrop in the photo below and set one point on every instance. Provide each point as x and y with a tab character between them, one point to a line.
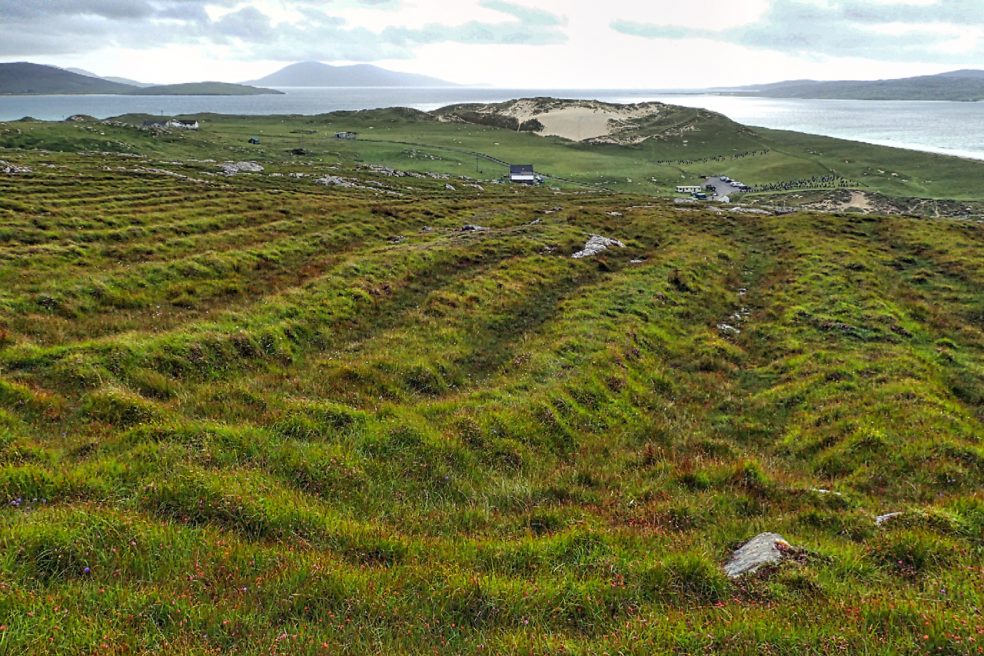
597	244
762	550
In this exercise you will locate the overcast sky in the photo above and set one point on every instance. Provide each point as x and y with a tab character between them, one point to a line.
506	43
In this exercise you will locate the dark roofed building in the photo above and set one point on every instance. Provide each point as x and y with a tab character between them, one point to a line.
522	174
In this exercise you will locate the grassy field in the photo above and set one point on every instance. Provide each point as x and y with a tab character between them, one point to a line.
252	414
414	141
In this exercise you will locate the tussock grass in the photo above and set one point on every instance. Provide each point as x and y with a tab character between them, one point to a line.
255	416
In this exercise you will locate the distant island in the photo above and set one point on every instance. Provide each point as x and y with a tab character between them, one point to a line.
316	74
23	78
204	89
965	86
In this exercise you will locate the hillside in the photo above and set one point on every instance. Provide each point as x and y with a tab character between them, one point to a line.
965	85
203	89
590	121
26	78
316	74
365	400
110	78
653	153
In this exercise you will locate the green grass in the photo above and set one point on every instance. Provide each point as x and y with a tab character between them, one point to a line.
253	414
413	141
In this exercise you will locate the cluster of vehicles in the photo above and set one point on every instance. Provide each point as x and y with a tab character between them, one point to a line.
713	188
740	186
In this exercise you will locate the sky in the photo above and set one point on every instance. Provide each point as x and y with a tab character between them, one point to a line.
547	44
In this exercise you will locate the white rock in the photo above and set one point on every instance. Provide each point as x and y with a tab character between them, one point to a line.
823	490
232	168
11	169
728	329
762	550
597	244
334	181
881	519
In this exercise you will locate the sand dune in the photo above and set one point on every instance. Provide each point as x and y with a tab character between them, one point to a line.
576	120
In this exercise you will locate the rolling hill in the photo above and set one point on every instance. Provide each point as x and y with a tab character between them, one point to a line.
963	85
316	74
27	78
203	89
593	121
371	400
110	78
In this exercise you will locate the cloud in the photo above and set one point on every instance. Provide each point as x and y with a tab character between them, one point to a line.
889	31
321	32
527	15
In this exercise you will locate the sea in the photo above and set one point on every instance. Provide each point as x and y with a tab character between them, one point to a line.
952	128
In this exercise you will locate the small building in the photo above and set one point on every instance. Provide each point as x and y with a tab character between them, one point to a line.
689	189
522	174
348	136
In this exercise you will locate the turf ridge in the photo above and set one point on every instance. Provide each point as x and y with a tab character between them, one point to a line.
263	417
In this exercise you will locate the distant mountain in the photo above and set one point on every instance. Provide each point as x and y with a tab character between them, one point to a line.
26	78
110	78
81	71
964	85
203	89
316	74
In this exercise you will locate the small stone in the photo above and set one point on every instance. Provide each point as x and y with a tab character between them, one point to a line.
764	549
728	329
823	490
882	519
